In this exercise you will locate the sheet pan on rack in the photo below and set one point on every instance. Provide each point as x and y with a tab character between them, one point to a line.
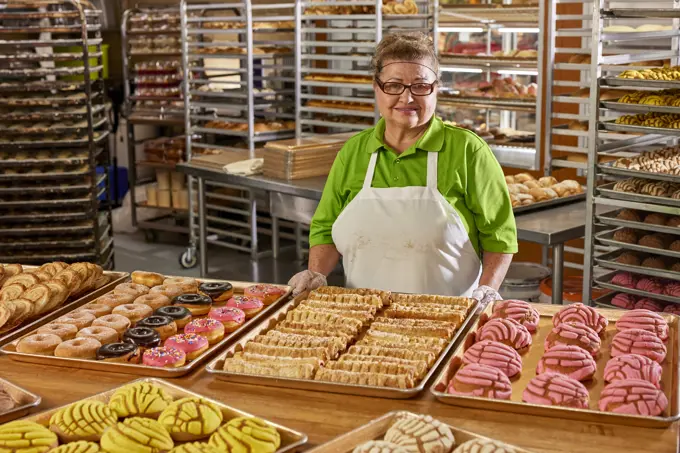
540	205
608	191
604	281
609	169
608	260
609	218
607	238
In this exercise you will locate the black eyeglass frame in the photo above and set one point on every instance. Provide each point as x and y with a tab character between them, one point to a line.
381	84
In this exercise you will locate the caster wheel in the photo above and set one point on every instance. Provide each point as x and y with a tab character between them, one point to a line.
188	259
151	236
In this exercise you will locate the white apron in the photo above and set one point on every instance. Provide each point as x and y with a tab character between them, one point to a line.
407	239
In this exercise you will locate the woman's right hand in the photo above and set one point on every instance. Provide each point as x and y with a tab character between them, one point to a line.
306	281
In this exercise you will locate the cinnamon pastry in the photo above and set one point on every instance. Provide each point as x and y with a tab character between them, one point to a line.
373	367
377	338
309	327
284	351
417	299
353	299
414	327
386	296
332	350
419	367
400	311
301	371
304	341
328	319
250	357
399	353
400	381
369	309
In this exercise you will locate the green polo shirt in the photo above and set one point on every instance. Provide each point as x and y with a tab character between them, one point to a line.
470	178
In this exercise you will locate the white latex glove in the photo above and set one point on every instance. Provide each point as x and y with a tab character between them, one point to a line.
485	295
306	281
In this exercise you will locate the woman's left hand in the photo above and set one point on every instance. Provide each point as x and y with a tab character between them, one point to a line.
485	295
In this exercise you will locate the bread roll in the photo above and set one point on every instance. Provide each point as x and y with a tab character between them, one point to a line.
510	180
532	185
523	177
547	181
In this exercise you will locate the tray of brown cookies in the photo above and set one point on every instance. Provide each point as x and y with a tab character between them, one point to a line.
155	325
31	296
643	191
649	221
641	241
575	361
149	415
15	402
640	263
402	431
355	341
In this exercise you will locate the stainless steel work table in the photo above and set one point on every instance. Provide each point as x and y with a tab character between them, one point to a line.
550	227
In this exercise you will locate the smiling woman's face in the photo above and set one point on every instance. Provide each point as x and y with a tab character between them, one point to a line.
406	111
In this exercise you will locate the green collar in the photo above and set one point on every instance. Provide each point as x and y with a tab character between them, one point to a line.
431	141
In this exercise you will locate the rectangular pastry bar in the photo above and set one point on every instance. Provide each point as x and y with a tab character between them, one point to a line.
400	381
399	353
374	300
444	331
419	299
289	361
362	316
324	318
275	338
361	366
372	309
302	371
400	311
419	366
375	337
333	329
386	296
285	351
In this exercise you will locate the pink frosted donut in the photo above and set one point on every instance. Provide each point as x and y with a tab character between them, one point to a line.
520	311
553	389
164	357
633	366
189	343
672	308
232	318
481	380
209	328
250	305
651	285
569	360
506	331
645	320
638	341
625	279
625	301
575	334
583	314
494	354
672	289
633	397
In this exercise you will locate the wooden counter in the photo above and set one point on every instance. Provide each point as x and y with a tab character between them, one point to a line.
325	416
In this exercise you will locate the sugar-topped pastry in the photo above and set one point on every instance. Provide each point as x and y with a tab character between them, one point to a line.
633	366
494	354
422	434
480	381
506	331
520	311
633	397
645	320
583	314
554	389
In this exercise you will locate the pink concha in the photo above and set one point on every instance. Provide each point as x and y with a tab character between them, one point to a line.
520	311
672	289
625	301
625	279
481	381
672	308
583	314
496	355
554	389
569	360
651	285
633	366
649	304
575	334
645	320
633	397
638	341
506	331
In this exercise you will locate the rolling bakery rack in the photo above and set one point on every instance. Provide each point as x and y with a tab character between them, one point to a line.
153	77
55	204
651	181
238	64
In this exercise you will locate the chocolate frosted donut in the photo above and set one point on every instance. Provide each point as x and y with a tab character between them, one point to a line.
638	341
569	360
633	366
506	331
143	337
554	389
575	334
164	325
645	320
119	352
181	315
633	397
520	311
217	291
583	314
494	354
197	304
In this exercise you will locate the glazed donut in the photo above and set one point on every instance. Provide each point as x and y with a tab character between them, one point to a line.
63	331
171	291
197	304
119	352
78	348
133	289
188	284
114	300
219	292
80	319
104	335
40	344
164	325
118	323
149	279
268	294
143	337
98	310
155	301
133	312
181	315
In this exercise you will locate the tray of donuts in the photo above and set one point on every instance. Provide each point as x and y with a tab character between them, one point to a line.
402	431
155	325
577	362
31	296
147	415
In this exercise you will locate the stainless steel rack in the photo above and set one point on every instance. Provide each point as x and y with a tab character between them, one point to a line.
54	203
238	60
631	139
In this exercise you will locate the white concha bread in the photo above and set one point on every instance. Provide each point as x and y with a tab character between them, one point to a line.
379	446
484	446
420	434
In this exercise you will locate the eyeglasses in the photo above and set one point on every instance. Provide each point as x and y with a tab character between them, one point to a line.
396	88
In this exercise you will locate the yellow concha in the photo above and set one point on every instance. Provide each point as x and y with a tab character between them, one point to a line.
256	434
77	447
136	435
140	399
195	447
84	420
190	419
24	436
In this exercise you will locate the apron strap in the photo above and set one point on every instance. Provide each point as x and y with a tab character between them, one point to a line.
432	170
368	180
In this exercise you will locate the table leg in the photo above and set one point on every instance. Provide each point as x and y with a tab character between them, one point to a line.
275	237
253	227
202	233
298	242
558	272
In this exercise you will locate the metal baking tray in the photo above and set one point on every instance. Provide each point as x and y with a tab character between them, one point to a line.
79	172
90	254
47	162
608	191
609	218
115	279
39	230
605	301
606	237
608	260
144	370
530	359
605	282
56	143
482	102
216	367
549	203
51	86
43	72
40	188
290	440
35	115
34	217
609	169
612	126
639	108
641	83
57	128
44	203
51	42
48	101
75	28
30	56
376	429
63	243
40	15
25	401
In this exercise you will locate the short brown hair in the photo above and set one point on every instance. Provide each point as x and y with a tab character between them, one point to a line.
404	47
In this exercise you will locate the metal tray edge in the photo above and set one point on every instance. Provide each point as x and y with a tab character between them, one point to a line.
22	410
